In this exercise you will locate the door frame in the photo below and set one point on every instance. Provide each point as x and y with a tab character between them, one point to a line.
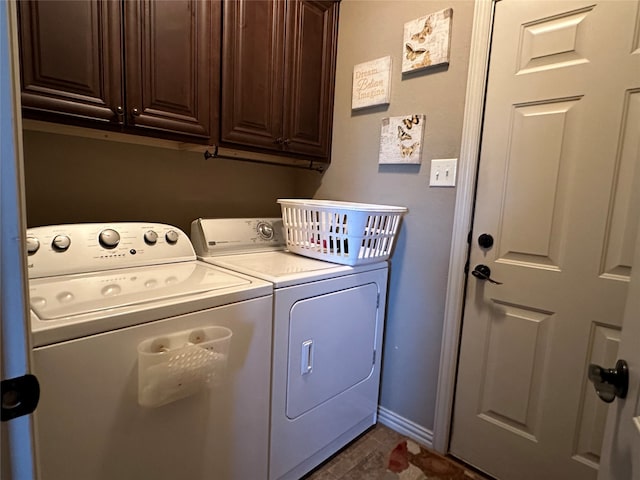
483	16
17	440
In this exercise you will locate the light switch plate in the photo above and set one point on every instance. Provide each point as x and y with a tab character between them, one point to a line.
443	172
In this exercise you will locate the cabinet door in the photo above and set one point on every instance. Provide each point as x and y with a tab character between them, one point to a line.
171	54
252	69
312	34
70	59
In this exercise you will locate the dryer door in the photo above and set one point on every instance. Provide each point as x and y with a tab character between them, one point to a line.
332	341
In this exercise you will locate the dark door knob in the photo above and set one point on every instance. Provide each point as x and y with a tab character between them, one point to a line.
485	240
610	382
19	396
482	272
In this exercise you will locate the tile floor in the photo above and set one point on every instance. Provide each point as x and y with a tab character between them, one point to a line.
383	454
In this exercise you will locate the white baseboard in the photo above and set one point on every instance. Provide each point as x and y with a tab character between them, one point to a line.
406	427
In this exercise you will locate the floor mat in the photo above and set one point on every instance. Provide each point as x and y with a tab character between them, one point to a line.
383	454
412	462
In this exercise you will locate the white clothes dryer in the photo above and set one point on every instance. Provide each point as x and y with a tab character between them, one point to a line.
327	339
152	364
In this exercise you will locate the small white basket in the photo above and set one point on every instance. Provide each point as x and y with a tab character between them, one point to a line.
340	232
181	364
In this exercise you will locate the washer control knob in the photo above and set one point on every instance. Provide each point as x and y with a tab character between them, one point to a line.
61	243
33	244
265	230
171	236
109	238
150	237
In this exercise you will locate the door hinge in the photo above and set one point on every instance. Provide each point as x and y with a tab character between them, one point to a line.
20	396
378	300
373	362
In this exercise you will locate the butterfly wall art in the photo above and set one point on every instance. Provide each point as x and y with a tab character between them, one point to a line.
427	41
401	139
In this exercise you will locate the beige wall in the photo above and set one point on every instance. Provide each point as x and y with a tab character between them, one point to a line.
419	269
72	179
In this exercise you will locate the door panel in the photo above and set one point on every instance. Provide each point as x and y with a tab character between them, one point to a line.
171	56
252	69
537	183
557	188
624	212
603	350
511	394
312	35
85	80
552	42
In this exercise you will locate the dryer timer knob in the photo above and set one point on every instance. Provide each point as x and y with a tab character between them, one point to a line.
265	230
171	236
109	238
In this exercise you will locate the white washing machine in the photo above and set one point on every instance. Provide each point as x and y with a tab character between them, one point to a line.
152	364
327	339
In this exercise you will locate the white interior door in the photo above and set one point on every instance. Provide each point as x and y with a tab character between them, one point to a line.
621	445
16	438
559	191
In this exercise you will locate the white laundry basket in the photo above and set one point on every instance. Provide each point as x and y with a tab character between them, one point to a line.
340	232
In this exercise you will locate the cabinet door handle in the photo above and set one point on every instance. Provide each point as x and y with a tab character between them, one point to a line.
135	112
286	141
119	111
279	140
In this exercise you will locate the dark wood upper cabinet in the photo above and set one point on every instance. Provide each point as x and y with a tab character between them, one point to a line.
70	57
252	72
141	66
310	62
172	65
278	70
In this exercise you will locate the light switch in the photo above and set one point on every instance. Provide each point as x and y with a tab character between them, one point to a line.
443	172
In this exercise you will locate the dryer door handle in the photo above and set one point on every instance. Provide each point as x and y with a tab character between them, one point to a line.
306	357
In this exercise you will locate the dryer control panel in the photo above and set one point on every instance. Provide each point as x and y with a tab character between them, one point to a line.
90	247
229	236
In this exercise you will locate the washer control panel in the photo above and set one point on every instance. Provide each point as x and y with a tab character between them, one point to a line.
91	247
228	236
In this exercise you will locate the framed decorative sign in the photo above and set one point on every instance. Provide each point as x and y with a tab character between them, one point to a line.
401	139
371	83
427	41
